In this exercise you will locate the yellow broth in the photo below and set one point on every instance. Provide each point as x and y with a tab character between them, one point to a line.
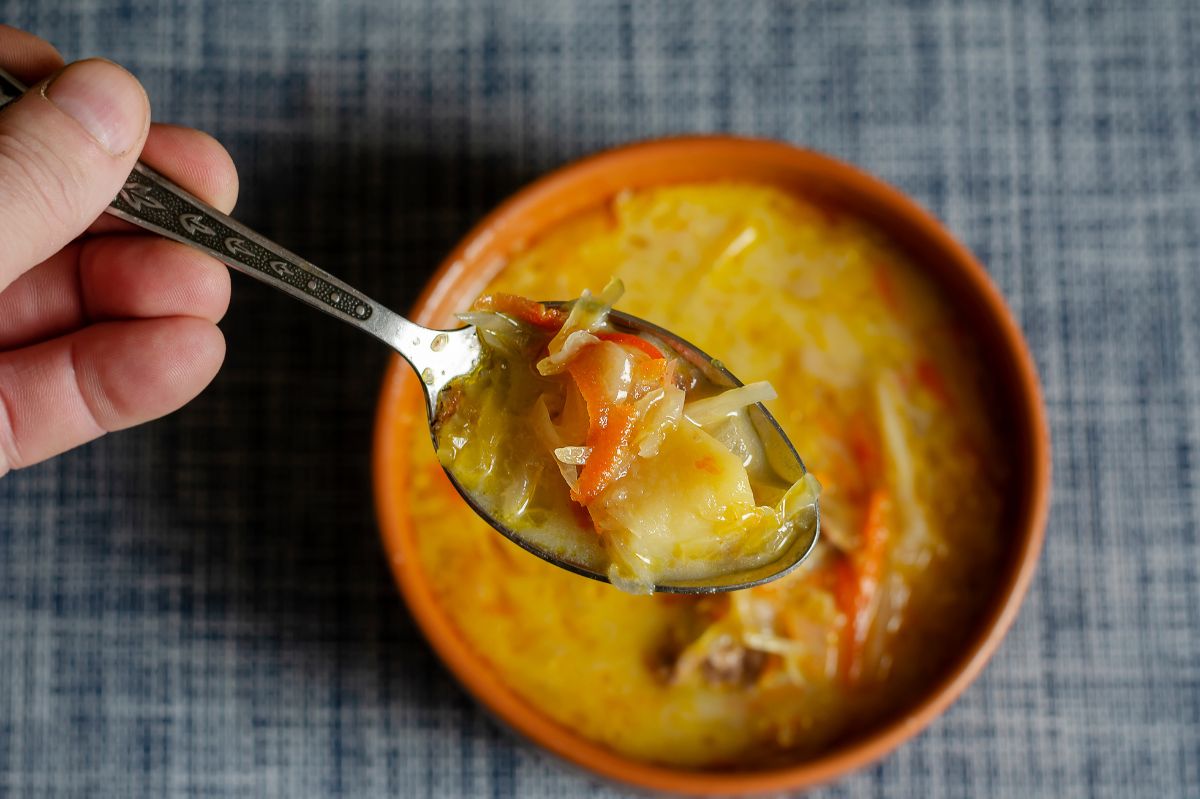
884	394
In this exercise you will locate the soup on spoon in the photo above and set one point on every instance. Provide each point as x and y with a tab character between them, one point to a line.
609	451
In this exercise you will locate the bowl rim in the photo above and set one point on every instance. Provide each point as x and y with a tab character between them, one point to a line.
389	469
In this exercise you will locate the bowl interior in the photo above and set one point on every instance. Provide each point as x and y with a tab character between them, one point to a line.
585	185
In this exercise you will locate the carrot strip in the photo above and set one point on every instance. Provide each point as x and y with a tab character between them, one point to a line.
610	425
522	309
609	440
589	379
630	340
651	370
856	584
610	428
865	452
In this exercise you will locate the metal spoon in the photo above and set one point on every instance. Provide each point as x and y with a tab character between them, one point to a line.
153	202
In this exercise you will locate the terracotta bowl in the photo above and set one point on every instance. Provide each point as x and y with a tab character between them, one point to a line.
588	183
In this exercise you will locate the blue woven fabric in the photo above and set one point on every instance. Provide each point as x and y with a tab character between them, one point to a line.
201	608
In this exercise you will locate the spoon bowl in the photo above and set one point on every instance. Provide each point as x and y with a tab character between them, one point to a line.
781	456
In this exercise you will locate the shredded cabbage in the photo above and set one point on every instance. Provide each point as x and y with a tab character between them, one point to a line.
629	571
915	545
659	411
710	410
547	435
498	332
519	491
571	346
588	314
576	456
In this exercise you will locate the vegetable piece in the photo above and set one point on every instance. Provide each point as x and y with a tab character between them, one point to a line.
863	447
523	309
603	375
573	455
498	331
588	315
857	583
659	412
519	491
710	410
667	510
571	346
736	433
549	438
609	442
734	245
651	371
915	543
635	342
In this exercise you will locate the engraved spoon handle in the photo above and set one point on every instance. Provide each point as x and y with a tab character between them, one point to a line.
151	201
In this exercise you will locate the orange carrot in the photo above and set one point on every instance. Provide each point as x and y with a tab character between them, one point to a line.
522	309
610	441
651	371
586	371
866	453
708	464
610	425
630	340
610	428
857	582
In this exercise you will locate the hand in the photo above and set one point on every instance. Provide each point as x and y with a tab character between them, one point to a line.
101	327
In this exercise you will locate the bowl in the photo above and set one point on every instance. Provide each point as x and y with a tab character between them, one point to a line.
591	181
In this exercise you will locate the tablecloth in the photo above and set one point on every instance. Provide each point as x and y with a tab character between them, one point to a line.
201	607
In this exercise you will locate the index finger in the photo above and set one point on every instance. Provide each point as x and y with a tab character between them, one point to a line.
26	56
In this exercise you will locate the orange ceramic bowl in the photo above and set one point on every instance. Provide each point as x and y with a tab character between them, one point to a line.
590	182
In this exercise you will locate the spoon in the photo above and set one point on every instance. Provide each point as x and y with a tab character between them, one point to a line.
155	203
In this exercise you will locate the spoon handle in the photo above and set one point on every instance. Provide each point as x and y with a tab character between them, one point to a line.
151	201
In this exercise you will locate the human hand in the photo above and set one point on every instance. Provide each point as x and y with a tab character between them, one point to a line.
101	327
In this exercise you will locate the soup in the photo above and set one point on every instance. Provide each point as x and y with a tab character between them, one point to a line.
884	394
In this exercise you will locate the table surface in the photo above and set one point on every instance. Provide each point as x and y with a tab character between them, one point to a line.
201	607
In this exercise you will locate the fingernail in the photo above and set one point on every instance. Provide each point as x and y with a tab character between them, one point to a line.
104	99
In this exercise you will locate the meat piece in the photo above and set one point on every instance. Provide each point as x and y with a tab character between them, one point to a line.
730	663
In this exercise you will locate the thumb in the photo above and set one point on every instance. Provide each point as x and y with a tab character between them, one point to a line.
66	147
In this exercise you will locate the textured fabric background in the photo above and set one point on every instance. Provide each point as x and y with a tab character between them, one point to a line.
201	608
